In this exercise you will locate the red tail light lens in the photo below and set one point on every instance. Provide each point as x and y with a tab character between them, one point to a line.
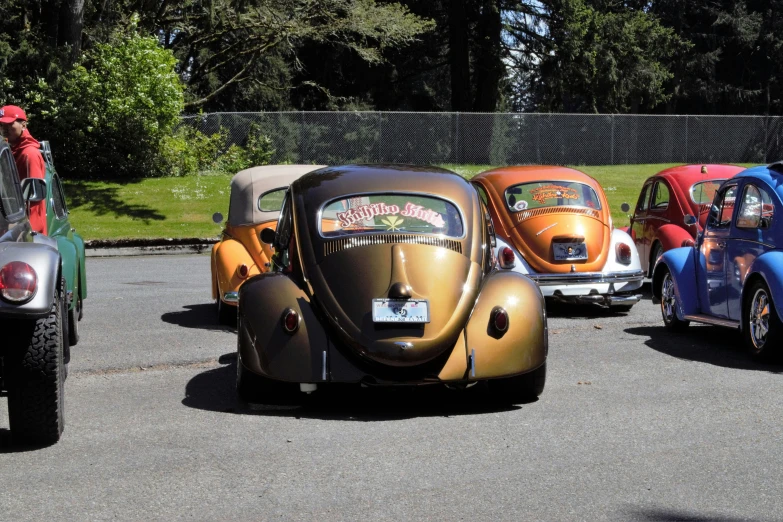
290	320
507	259
500	319
624	253
242	271
18	282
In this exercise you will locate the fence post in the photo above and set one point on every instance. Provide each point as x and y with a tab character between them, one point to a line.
612	146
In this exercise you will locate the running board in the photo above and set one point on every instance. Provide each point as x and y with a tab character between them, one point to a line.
708	319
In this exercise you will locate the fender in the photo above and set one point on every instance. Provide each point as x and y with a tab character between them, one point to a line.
267	349
672	236
612	264
768	266
45	260
627	230
228	255
79	242
523	347
682	265
69	265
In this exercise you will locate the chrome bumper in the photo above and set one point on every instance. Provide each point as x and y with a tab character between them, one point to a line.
586	278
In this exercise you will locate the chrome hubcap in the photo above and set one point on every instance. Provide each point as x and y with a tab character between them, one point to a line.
759	318
668	299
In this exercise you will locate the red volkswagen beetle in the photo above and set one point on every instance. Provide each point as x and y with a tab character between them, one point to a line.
657	223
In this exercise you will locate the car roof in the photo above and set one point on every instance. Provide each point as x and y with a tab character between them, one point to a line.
504	177
321	186
687	175
772	174
249	184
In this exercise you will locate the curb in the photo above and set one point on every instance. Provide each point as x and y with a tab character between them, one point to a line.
147	247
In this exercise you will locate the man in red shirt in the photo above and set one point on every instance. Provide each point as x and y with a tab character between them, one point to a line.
27	156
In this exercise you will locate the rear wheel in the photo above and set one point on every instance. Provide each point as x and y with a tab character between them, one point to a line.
669	304
36	395
520	388
656	253
762	329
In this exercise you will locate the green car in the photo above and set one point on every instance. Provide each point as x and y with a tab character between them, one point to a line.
69	243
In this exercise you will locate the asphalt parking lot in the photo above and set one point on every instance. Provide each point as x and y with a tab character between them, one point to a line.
634	424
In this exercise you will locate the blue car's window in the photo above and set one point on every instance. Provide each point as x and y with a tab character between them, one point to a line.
550	194
404	213
756	209
723	208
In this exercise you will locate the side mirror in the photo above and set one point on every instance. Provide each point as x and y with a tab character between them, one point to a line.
34	189
689	220
217	217
268	236
625	207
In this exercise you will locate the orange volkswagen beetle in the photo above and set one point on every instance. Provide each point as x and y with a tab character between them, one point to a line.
553	225
256	196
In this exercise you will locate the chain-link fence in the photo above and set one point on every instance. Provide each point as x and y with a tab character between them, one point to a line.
503	139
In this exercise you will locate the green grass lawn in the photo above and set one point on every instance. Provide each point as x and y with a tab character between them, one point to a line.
183	207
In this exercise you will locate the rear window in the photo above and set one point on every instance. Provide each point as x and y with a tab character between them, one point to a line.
399	213
551	194
704	191
271	201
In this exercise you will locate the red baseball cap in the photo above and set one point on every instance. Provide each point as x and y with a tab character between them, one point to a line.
11	113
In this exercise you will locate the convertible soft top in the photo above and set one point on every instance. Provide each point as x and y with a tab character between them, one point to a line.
249	184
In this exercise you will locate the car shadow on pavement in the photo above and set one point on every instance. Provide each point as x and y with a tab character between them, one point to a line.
706	344
7	444
668	515
593	311
202	316
214	390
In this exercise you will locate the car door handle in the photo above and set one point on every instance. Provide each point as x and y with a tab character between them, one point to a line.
721	244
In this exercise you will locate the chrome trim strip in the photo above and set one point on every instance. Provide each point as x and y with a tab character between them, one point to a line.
473	363
704	318
323	373
546	228
620	300
587	278
336	245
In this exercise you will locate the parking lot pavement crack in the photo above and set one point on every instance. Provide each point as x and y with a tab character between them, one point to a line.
205	364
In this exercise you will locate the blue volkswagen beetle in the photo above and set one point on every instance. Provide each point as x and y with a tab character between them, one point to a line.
733	275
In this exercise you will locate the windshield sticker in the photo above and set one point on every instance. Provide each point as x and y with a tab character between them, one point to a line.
393	222
520	205
541	194
367	212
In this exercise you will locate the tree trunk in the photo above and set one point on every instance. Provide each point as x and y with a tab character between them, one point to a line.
459	58
71	26
488	63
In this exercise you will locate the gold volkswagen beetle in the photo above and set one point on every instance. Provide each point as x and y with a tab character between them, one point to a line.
384	275
254	204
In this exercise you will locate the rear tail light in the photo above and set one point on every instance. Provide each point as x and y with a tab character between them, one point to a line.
499	319
624	253
242	271
507	259
18	282
290	320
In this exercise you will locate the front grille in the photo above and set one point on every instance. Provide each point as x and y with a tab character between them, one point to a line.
336	245
527	214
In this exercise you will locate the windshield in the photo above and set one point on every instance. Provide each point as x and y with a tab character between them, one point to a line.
551	194
704	191
402	213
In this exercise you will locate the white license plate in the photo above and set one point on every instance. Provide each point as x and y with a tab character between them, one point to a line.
570	251
400	311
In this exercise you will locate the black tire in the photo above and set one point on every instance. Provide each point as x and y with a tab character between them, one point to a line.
669	305
227	314
74	316
762	330
520	388
656	253
36	394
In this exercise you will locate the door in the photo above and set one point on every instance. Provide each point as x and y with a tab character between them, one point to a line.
657	214
750	237
711	272
637	226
